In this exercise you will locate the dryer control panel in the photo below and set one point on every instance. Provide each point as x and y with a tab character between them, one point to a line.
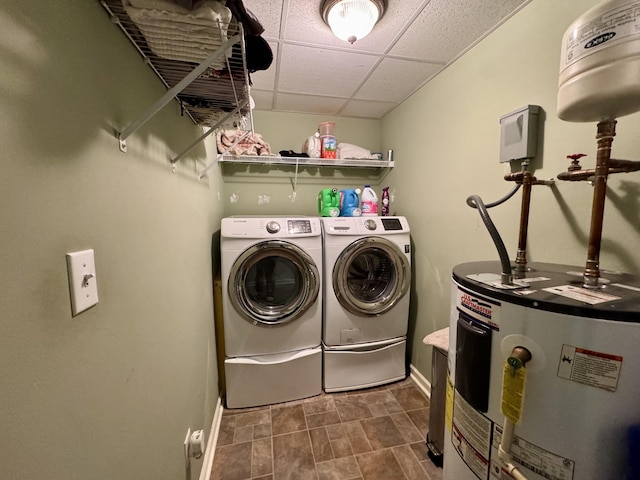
391	223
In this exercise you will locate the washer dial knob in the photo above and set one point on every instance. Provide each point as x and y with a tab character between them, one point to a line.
273	227
370	224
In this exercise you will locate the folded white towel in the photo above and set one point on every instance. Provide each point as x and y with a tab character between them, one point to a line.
347	150
181	34
167	6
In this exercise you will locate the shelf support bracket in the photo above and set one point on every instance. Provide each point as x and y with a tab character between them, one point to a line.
207	133
219	156
172	92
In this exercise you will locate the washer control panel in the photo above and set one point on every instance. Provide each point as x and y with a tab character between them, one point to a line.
299	226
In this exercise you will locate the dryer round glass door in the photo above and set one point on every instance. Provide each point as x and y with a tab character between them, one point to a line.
273	282
370	276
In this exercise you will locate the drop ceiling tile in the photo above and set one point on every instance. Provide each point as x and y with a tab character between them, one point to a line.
266	79
393	80
325	72
268	13
304	24
367	109
263	99
286	102
445	28
322	72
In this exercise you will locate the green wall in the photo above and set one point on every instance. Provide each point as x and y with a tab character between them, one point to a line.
280	190
456	117
108	394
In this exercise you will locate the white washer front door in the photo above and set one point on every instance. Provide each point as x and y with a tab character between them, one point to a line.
370	276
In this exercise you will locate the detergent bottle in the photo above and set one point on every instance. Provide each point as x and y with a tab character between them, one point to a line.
350	203
385	201
369	202
329	202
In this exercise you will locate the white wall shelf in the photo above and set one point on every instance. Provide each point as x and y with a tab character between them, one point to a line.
213	93
244	168
305	161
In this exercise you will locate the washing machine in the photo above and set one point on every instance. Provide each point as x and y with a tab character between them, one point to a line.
367	275
271	269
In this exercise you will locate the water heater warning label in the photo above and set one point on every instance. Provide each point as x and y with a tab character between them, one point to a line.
471	436
543	462
595	369
582	294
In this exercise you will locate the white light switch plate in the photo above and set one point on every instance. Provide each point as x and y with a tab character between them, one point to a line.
83	284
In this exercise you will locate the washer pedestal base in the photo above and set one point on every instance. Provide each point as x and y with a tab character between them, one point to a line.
352	367
275	378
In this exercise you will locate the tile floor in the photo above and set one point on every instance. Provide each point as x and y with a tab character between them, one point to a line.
373	434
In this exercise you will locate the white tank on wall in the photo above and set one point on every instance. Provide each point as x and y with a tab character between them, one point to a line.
600	63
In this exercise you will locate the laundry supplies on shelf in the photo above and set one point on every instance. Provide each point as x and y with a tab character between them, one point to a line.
350	203
385	202
328	142
348	150
239	142
329	202
369	202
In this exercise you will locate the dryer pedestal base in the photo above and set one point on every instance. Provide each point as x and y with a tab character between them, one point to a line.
275	378
352	367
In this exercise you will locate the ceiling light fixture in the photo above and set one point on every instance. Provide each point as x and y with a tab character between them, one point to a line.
352	20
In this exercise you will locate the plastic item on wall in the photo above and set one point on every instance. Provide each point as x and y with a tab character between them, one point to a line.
599	64
348	150
329	202
519	134
385	202
311	146
327	128
369	202
328	147
350	203
328	142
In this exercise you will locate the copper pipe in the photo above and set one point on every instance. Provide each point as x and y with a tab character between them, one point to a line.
619	166
527	180
518	177
521	254
615	166
576	175
606	132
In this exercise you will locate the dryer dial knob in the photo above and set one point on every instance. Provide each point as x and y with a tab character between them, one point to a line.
370	224
273	227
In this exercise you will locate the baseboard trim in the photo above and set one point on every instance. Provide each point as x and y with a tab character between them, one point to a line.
423	384
207	463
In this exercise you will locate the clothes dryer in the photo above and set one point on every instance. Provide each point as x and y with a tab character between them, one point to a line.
272	309
367	262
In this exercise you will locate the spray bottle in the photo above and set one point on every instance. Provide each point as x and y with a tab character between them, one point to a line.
369	202
385	201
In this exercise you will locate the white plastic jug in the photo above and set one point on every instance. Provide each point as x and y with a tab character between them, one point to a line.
369	201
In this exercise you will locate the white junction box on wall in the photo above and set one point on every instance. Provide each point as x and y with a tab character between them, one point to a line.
83	285
519	134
